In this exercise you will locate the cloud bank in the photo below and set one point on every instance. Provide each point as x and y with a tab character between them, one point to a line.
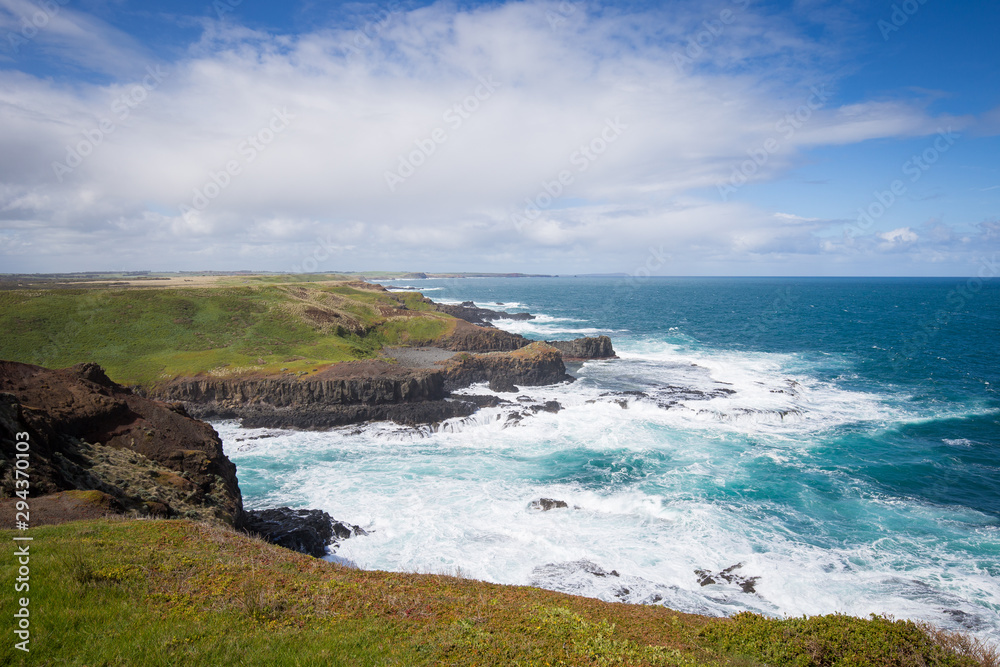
534	136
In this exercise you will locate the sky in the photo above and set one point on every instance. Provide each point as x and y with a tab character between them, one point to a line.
729	137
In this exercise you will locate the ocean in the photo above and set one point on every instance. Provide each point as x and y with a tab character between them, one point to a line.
787	446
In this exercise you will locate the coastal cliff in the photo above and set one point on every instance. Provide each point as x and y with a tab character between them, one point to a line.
355	392
583	349
349	383
535	364
87	433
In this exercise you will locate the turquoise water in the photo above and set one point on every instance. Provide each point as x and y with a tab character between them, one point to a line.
838	437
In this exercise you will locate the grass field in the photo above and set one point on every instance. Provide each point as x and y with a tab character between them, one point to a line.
130	592
146	335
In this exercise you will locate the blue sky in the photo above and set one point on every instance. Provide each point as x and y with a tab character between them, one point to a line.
690	138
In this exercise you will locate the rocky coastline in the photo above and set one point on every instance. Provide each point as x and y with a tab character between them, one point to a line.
409	389
99	448
87	433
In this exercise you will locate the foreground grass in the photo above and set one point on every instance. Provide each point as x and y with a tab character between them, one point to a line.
145	336
121	592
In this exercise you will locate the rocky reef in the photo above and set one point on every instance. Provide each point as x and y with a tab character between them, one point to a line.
87	433
471	313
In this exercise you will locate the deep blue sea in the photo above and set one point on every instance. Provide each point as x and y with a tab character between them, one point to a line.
839	439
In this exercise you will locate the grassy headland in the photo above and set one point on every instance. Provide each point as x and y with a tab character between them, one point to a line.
145	332
128	592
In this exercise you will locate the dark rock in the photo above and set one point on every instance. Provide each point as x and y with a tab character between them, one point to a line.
537	364
546	504
728	576
483	401
668	396
351	383
548	406
468	311
93	373
585	348
471	338
503	384
306	531
357	392
318	417
89	434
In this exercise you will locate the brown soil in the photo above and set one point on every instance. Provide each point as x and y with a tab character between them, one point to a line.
60	508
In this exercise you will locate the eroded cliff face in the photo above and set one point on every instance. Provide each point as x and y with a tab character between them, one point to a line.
471	338
536	364
352	383
88	433
363	391
585	348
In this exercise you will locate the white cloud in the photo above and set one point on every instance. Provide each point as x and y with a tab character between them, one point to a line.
354	114
899	236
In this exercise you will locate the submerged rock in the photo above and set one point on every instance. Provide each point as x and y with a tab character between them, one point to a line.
546	504
472	314
728	576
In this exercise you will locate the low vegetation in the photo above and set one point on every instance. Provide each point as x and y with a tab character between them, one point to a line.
129	592
145	335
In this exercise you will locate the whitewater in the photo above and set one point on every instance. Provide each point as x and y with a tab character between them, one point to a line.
789	431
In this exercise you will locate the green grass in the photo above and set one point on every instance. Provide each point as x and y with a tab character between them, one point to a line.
145	336
834	641
127	592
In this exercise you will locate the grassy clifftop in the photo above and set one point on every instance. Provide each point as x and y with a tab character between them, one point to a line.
127	592
224	326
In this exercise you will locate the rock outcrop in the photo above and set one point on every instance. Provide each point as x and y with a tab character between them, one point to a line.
87	433
546	504
306	531
585	348
471	338
349	383
362	391
321	417
536	364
